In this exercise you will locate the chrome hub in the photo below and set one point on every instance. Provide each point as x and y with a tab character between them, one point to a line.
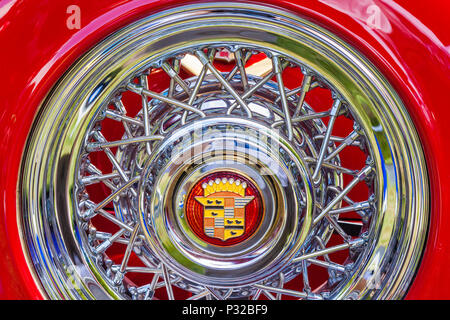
253	170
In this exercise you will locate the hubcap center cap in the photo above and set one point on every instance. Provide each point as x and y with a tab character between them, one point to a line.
224	208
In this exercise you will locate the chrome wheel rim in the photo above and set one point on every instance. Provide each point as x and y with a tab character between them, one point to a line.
69	253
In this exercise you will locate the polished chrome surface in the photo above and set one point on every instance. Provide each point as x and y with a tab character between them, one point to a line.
229	145
297	168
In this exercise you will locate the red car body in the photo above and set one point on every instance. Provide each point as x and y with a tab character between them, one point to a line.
411	46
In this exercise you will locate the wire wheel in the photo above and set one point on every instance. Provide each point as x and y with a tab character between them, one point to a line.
263	158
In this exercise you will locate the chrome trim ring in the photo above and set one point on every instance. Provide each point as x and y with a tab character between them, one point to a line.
60	183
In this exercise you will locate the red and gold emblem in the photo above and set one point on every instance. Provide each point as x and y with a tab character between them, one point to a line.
224	208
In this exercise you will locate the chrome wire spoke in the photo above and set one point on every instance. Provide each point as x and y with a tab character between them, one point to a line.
113	159
357	207
167	282
108	242
149	289
359	177
113	219
204	59
350	244
345	143
217	295
328	265
323	149
116	193
280	286
96	176
277	67
269	290
251	91
231	74
174	77
240	63
338	228
144	83
126	120
321	246
312	116
122	116
123	266
334	167
200	295
155	284
111	144
197	86
305	277
194	92
293	92
257	294
141	91
142	270
304	88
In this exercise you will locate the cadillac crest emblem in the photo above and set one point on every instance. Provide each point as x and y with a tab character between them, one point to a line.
224	208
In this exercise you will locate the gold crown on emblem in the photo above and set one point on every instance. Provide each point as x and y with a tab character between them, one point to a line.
224	185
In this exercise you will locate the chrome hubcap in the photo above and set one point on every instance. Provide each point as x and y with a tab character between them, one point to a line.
264	159
226	147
